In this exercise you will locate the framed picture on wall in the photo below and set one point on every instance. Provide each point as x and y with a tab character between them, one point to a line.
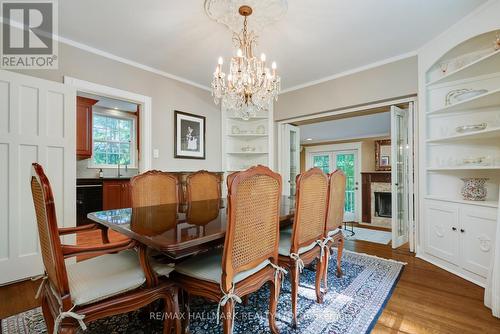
189	136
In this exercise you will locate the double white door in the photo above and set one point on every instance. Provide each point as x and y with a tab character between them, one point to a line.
348	162
37	124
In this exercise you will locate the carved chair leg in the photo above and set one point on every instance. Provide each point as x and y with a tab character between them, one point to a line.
175	309
185	300
326	260
273	305
340	249
168	320
47	315
228	315
294	275
319	277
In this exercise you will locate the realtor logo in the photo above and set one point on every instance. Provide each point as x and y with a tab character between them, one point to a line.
29	31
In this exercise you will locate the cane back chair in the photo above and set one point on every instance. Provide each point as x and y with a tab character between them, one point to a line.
303	244
202	186
154	187
250	255
334	220
75	294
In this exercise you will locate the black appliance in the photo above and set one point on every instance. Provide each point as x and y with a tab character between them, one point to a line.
88	199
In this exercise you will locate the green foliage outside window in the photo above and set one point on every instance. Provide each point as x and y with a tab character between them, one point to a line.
112	138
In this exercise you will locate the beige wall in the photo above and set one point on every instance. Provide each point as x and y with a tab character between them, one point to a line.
167	95
385	82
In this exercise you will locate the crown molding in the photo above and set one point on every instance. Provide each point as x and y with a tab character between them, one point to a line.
123	60
352	71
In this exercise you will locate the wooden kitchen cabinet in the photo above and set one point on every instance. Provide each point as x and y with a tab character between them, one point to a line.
116	194
84	127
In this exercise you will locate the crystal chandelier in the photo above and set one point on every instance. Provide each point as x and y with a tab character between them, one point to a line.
250	86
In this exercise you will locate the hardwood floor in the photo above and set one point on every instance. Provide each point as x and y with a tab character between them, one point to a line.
427	299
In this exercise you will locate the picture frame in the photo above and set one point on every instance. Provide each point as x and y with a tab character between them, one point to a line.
189	136
383	152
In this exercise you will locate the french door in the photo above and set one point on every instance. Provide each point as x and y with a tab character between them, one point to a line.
290	167
402	174
347	161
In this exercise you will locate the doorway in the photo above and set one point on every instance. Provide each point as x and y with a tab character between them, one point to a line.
348	162
354	153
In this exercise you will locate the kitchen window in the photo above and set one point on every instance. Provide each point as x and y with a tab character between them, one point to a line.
114	140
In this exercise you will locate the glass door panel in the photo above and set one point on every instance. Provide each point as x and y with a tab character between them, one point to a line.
322	161
400	177
347	163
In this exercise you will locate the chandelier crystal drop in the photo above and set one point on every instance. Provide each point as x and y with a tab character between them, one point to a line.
250	86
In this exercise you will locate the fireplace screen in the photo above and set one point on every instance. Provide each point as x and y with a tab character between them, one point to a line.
383	204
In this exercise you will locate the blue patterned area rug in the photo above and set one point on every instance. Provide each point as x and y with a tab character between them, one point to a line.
352	305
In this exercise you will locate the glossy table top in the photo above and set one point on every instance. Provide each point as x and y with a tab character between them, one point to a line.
177	230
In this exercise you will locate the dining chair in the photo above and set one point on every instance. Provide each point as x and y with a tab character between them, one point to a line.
78	293
202	186
250	255
334	220
154	187
303	244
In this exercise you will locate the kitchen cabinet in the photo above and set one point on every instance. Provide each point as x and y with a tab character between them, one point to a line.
84	127
116	194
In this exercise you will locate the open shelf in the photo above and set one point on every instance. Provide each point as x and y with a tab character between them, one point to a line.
256	118
484	134
488	99
437	169
247	153
491	204
247	135
484	65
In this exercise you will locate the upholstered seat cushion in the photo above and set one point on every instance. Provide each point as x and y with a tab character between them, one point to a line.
104	276
286	243
208	267
161	268
333	232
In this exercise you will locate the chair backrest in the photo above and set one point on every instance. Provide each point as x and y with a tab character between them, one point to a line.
48	232
252	233
202	186
336	200
154	187
310	208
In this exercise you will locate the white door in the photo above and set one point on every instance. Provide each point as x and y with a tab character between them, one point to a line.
37	124
291	158
402	197
348	162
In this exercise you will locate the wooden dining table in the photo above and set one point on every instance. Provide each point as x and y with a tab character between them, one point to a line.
178	230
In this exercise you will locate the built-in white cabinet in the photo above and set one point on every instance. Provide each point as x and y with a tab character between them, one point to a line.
460	237
459	130
442	239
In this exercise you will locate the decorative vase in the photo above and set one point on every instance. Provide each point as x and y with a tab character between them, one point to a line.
474	189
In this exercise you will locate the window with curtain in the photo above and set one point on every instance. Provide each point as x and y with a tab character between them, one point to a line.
113	140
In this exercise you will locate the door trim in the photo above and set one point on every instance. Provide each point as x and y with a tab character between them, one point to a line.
145	116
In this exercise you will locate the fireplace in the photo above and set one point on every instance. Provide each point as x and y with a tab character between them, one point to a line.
383	204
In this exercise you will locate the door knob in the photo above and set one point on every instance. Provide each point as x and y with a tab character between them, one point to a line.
454	228
462	230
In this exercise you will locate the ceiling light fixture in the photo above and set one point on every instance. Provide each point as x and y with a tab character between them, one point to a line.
250	86
309	139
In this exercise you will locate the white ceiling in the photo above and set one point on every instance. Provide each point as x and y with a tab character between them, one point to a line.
367	126
315	39
109	103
